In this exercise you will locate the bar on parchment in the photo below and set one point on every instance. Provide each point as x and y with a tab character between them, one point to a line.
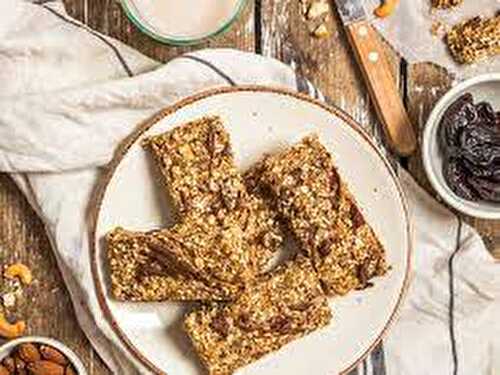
324	217
474	39
446	4
280	307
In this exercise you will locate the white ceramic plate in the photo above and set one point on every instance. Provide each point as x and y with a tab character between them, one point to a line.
260	121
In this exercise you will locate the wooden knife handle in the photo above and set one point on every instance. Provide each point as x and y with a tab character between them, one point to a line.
383	90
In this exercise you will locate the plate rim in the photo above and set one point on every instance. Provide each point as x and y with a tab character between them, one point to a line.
121	150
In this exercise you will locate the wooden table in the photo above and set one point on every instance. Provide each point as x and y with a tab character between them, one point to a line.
272	28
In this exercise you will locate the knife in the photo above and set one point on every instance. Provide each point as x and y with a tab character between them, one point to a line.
376	71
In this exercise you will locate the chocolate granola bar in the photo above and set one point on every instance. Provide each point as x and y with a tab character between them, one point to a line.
474	39
280	307
137	276
324	217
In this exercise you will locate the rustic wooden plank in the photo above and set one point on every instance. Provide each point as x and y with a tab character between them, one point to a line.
426	84
328	62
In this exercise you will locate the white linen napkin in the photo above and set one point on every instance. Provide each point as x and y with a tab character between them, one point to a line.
69	95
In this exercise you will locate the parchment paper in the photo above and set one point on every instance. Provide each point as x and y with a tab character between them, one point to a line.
409	31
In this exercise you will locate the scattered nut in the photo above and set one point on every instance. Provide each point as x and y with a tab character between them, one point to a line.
45	368
21	271
51	354
28	352
4	370
386	9
317	9
8	300
10	331
321	31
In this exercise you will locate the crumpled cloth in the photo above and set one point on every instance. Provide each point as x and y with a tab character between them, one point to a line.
69	95
410	31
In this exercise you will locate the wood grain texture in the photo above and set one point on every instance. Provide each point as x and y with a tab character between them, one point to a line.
327	62
275	28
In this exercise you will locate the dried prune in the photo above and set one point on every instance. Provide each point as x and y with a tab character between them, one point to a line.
456	177
469	137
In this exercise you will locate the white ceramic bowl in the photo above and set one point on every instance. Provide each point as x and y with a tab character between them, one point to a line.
483	88
9	346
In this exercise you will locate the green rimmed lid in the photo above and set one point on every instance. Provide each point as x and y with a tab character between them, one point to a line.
139	18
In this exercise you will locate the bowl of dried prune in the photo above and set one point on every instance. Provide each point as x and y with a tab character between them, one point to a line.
461	147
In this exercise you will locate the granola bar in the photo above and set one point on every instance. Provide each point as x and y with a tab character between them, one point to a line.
199	170
446	4
137	276
324	217
197	164
475	39
281	307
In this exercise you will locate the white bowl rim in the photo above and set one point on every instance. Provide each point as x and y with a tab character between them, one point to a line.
431	123
7	348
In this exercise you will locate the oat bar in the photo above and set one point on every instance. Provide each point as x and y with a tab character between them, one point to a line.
197	164
136	276
282	306
324	217
474	39
446	4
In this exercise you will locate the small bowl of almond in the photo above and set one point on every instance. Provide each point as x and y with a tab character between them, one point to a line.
34	355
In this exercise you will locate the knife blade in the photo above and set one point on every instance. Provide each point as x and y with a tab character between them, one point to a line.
377	74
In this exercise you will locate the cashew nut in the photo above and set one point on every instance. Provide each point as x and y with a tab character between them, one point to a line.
11	331
20	271
386	9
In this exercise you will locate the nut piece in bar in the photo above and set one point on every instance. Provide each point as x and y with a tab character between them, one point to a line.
324	217
446	4
137	276
475	39
199	170
280	307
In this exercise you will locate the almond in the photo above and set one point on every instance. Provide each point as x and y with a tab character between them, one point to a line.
51	354
45	368
4	371
28	352
10	364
